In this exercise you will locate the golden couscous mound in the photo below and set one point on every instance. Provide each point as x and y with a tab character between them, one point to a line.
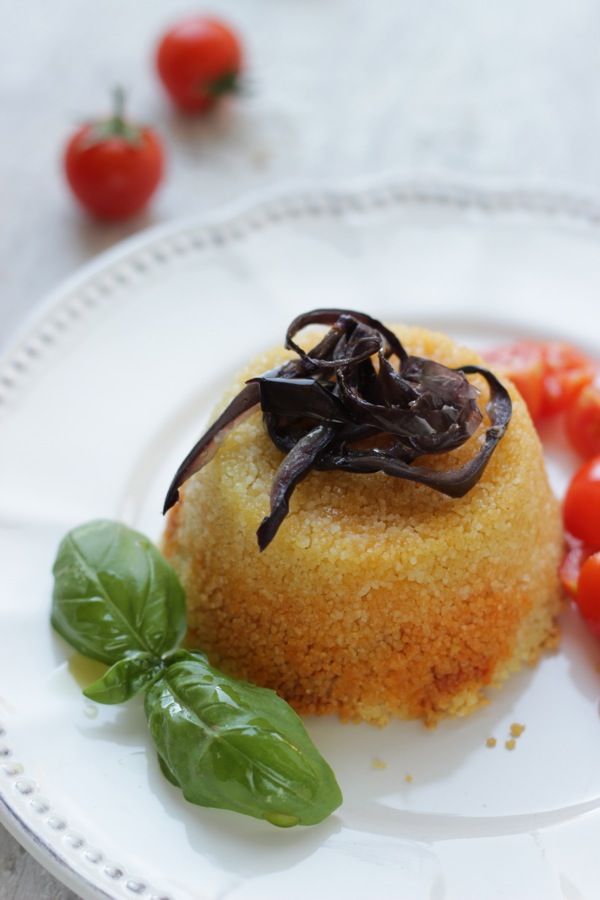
378	597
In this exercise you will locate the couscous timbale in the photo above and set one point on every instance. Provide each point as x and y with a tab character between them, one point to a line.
378	597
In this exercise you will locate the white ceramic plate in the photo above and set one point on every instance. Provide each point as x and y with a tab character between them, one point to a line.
99	398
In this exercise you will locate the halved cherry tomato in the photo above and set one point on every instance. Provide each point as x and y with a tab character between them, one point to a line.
583	422
523	363
581	509
570	568
567	371
199	60
588	596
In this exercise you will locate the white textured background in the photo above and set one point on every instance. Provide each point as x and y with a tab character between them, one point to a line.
336	88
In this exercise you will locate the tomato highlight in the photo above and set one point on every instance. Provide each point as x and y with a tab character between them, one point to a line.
570	568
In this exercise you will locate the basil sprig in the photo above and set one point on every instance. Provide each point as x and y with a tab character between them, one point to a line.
225	743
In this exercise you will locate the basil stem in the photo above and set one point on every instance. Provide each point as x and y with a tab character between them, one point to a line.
232	745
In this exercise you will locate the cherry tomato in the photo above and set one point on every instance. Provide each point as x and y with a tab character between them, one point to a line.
583	422
112	166
567	372
588	596
198	61
570	568
523	363
581	509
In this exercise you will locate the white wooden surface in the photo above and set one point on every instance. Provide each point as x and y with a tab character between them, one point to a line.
335	89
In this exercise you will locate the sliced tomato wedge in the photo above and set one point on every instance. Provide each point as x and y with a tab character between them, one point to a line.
567	372
524	364
549	376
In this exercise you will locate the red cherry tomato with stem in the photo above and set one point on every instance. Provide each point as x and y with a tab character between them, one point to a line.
581	509
199	60
113	167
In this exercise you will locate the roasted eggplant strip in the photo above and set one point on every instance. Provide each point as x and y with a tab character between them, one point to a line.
345	404
203	450
294	468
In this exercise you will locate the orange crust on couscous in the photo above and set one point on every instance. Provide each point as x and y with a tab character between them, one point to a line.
378	597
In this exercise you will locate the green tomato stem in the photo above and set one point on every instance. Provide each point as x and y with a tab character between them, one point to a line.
118	117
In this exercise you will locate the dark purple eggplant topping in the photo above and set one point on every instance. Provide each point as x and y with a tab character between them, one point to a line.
346	405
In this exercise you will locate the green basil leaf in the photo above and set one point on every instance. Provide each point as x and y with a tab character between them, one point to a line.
125	679
166	771
232	745
115	595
